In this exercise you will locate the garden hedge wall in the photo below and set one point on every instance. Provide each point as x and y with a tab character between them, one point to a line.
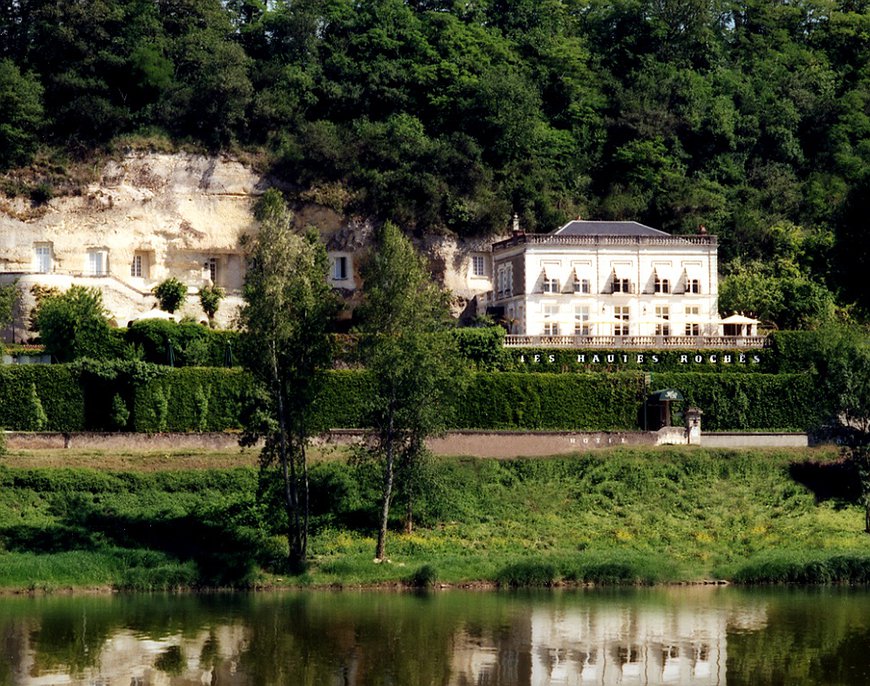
551	401
59	394
744	402
80	397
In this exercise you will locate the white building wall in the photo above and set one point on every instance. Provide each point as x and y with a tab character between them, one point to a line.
640	263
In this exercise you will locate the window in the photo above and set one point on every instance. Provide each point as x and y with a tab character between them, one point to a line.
339	268
662	285
551	326
98	261
693	310
42	258
620	313
478	265
693	285
582	285
136	267
581	320
693	329
621	285
663	314
551	284
505	281
210	270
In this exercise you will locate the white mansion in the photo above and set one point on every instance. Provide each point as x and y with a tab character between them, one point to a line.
612	283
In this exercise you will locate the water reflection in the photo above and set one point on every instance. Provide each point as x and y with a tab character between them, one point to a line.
700	637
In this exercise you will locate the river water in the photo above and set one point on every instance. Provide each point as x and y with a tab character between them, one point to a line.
693	636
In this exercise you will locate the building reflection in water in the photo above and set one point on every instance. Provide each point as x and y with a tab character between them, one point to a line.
607	644
544	641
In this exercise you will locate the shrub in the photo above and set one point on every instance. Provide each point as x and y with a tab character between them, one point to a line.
425	577
210	299
527	574
73	324
193	344
120	413
170	294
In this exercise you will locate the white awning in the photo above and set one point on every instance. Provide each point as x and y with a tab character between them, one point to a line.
693	271
622	271
738	319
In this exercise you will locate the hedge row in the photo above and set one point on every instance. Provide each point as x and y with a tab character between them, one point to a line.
750	401
147	398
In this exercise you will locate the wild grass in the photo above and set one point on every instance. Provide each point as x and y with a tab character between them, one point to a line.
610	517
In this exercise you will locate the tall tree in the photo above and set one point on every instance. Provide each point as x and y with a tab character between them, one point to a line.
288	307
411	357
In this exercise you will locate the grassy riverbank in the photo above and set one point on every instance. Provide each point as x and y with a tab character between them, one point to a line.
627	516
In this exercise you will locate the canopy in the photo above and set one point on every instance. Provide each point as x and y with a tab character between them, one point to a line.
622	270
667	394
738	319
693	271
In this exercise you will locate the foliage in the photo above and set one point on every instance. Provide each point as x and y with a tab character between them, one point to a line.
21	114
120	413
288	309
193	345
9	297
482	347
210	299
734	402
551	401
411	358
749	119
170	293
173	401
74	324
61	396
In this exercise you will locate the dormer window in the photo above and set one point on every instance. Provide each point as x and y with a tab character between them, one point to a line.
582	286
662	285
693	286
621	285
551	283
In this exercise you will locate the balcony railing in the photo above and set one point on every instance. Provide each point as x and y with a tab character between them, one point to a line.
645	342
550	239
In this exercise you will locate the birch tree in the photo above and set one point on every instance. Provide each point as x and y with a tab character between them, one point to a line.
411	357
288	307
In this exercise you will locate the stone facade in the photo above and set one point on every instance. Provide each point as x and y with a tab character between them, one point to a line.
151	216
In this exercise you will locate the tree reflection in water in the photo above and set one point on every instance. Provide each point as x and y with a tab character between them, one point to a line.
695	637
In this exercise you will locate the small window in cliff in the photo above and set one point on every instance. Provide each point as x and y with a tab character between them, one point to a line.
210	270
140	267
98	262
339	268
43	261
478	265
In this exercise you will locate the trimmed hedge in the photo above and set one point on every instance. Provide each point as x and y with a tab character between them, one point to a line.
191	399
58	389
551	401
750	401
85	396
193	345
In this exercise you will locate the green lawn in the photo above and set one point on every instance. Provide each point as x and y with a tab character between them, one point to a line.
622	516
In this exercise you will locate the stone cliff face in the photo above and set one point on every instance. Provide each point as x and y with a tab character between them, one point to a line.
151	216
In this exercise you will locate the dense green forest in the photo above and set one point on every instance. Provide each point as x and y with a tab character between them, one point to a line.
751	117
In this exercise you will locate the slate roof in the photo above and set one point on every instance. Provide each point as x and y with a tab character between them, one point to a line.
580	227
